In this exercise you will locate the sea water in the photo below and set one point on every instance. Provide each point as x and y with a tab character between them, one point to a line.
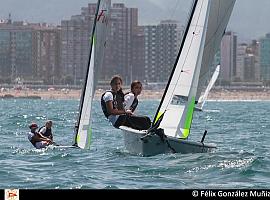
241	131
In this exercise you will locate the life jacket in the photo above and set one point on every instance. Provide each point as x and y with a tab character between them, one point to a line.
48	132
134	103
32	141
118	99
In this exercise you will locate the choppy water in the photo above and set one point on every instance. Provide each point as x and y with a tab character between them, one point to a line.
240	129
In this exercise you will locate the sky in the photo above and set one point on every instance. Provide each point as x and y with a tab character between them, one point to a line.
249	18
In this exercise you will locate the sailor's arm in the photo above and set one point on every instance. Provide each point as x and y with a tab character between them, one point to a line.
42	138
42	131
115	111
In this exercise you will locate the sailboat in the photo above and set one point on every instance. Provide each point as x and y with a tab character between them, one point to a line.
83	127
172	122
202	99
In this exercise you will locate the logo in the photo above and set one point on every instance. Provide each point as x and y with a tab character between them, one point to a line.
11	194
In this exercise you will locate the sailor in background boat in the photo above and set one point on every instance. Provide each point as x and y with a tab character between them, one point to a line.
46	130
112	104
38	140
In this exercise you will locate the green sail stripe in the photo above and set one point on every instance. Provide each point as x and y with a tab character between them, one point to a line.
188	120
94	39
89	134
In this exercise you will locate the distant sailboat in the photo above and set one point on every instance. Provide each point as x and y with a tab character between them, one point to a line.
202	99
83	128
173	119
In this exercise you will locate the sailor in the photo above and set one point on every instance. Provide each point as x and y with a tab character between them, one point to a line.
131	98
131	102
37	139
46	130
112	104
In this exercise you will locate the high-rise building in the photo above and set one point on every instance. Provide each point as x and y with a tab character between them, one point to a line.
75	34
5	56
46	54
162	43
249	71
120	51
122	38
254	49
151	53
29	52
264	57
134	52
247	66
240	62
16	50
138	55
228	51
75	43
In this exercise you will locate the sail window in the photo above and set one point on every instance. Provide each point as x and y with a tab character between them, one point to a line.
179	100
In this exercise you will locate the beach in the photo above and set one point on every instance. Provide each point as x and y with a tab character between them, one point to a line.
243	95
72	94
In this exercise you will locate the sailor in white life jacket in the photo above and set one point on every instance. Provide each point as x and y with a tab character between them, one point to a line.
37	140
131	98
131	102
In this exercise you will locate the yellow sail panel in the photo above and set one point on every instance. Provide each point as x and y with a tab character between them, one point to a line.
158	116
78	139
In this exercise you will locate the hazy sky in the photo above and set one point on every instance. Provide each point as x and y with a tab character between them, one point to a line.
249	18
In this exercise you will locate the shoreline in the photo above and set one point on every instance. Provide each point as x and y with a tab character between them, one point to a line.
146	94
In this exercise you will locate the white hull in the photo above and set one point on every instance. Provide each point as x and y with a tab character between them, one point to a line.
153	145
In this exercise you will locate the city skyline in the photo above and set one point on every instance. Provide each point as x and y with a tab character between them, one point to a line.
150	12
62	50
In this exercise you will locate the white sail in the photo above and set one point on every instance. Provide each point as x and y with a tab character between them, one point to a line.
181	94
84	133
178	104
220	12
85	124
211	83
101	35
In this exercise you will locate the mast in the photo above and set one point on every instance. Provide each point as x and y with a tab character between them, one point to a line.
175	65
87	71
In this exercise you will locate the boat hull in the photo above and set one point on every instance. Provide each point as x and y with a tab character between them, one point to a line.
198	109
153	145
